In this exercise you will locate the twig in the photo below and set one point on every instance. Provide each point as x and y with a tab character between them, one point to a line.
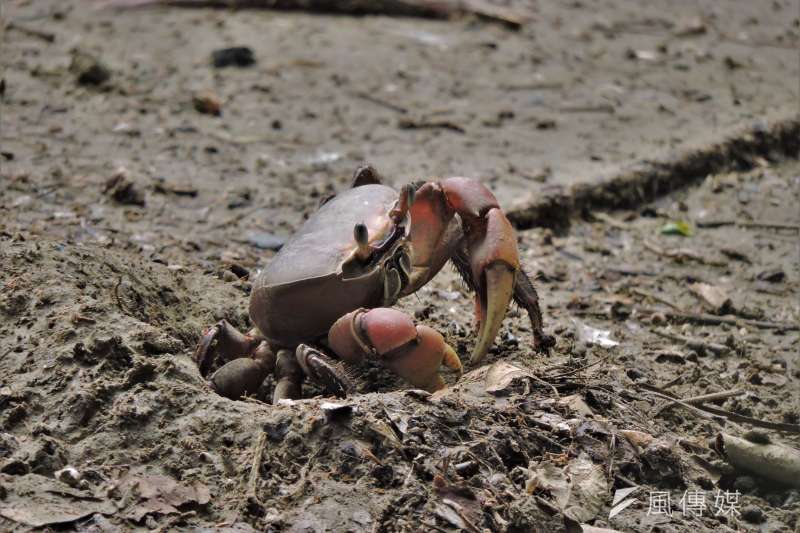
748	225
769	225
696	344
611	221
645	294
695	410
408	8
383	103
116	296
703	398
534	86
545	383
303	481
238	217
705	411
255	469
714	320
409	124
602	108
576	370
681	254
33	32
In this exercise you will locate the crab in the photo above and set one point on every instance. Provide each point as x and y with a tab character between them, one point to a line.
324	301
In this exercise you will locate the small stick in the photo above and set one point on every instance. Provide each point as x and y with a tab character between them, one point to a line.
703	398
680	254
576	370
696	344
535	86
417	8
383	103
611	221
695	410
704	411
602	108
33	32
255	469
545	383
713	396
238	217
408	124
714	320
769	225
748	225
656	297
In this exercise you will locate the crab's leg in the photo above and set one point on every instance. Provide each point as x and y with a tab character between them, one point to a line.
413	352
288	377
222	341
325	371
249	360
489	239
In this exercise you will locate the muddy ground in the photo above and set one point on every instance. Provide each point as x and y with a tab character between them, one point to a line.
109	275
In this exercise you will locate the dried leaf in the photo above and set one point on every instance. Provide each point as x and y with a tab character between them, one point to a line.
502	375
637	438
589	489
579	490
38	501
712	296
576	404
161	495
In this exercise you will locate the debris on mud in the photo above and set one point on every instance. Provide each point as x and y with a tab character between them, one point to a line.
671	400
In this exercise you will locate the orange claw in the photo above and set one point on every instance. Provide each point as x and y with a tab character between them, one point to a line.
415	353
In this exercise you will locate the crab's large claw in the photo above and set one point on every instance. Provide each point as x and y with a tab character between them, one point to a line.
415	353
493	256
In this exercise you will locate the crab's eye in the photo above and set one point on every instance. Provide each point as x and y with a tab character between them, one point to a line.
411	194
392	285
404	262
361	234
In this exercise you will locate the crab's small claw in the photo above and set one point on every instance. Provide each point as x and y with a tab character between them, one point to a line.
222	341
415	353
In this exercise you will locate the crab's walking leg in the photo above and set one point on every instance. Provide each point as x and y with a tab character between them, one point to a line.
489	239
288	377
249	360
413	352
326	372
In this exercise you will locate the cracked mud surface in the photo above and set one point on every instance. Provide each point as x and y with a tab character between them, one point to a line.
102	300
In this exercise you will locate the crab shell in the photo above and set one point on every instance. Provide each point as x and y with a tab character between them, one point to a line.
318	276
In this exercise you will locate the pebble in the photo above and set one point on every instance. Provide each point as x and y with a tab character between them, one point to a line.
753	514
88	69
207	103
235	56
69	475
265	241
744	484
